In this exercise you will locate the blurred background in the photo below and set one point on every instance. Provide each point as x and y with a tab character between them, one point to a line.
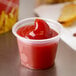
34	4
9	12
39	2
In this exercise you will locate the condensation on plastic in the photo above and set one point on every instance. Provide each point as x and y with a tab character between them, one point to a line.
53	24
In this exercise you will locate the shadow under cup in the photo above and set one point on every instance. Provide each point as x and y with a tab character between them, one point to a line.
37	54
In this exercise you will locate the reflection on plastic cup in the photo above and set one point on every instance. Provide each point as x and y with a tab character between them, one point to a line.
37	54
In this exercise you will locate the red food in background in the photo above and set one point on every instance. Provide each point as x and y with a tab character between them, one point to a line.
74	34
8	14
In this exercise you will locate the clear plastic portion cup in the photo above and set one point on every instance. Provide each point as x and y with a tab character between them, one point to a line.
37	54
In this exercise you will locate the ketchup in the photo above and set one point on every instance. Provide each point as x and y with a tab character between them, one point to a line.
40	30
37	56
74	34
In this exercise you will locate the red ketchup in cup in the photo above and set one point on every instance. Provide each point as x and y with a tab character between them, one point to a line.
38	51
40	30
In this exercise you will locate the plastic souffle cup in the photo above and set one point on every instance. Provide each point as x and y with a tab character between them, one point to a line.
37	54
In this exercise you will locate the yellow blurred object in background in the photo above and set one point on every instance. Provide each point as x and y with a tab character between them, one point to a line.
7	20
8	14
57	1
39	2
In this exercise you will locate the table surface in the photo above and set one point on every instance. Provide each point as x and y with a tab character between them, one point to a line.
65	63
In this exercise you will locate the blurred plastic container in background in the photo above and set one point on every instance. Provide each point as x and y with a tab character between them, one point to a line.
8	14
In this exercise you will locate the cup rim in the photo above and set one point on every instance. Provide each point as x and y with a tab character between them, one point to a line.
33	40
